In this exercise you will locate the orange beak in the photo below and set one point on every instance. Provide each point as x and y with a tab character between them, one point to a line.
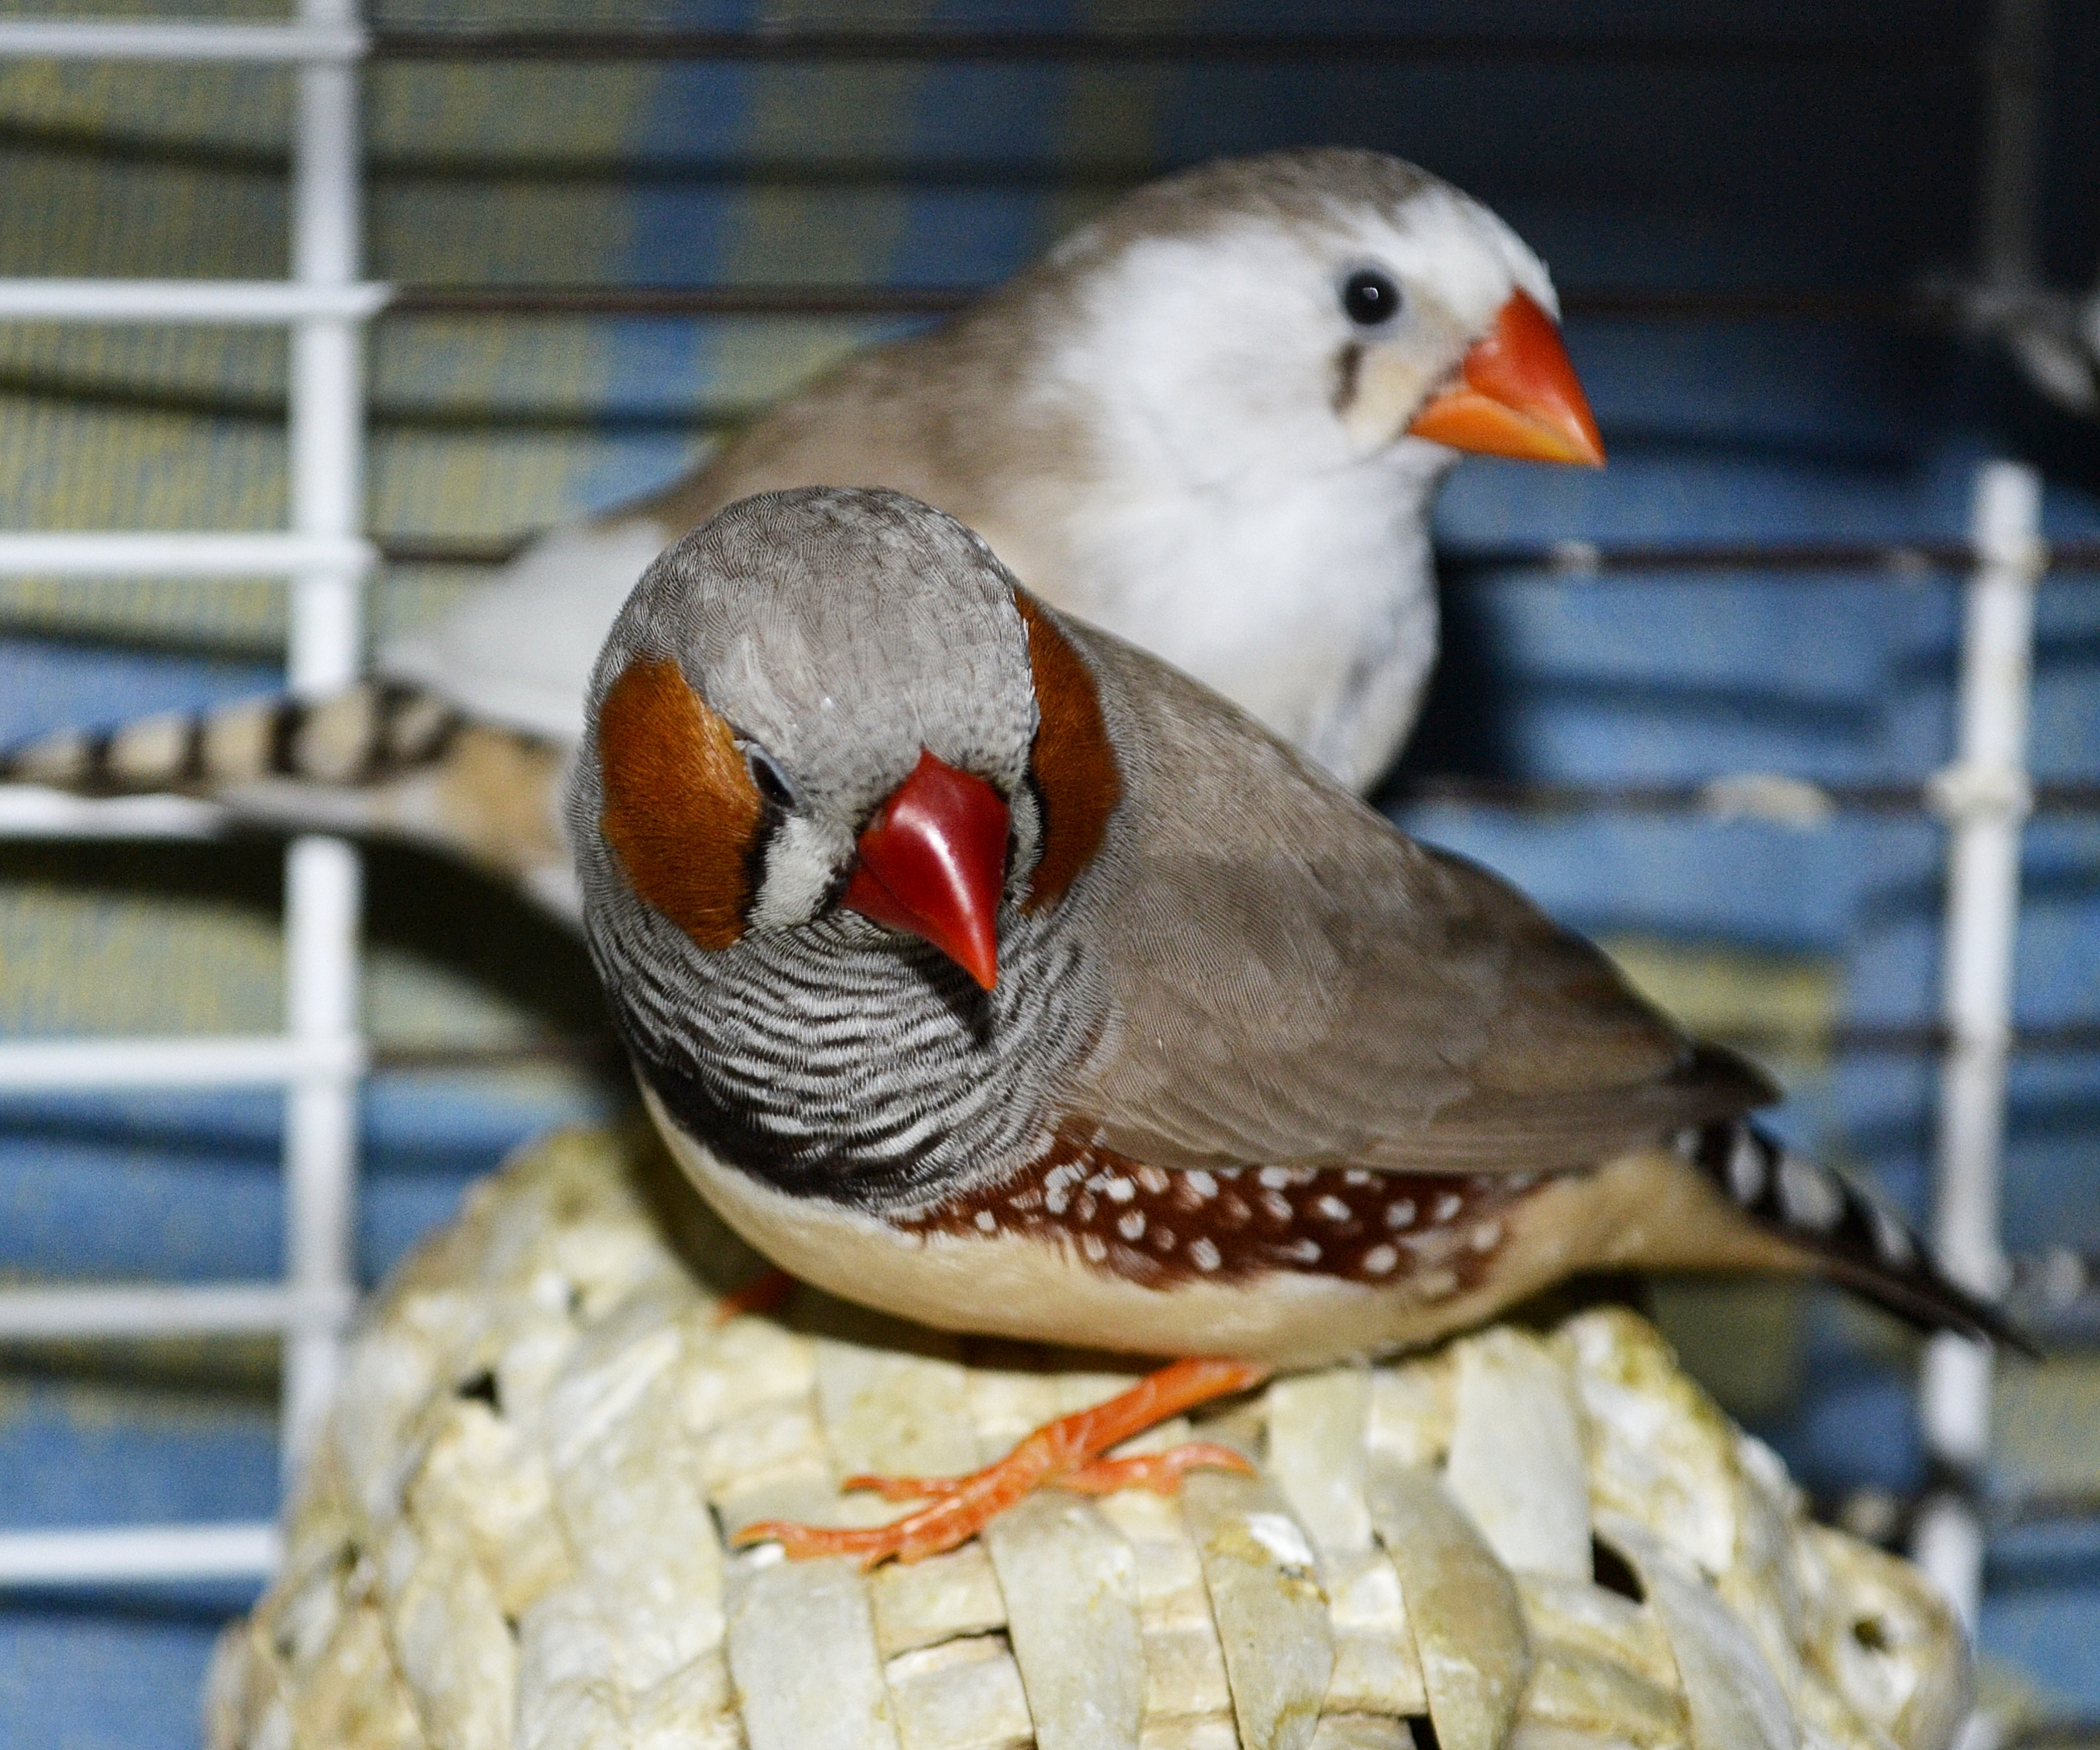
932	863
1516	395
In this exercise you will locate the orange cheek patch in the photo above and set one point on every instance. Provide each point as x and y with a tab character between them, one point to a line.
1074	765
680	812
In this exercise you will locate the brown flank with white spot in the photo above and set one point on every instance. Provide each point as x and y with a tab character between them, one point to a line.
1149	1226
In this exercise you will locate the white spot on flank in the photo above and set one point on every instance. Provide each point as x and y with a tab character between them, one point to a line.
1281	1537
1056	1199
1202	1183
1094	1246
1121	1191
1276	1204
1334	1208
1447	1206
1357	1176
1273	1178
1487	1236
1204	1255
1302	1250
1155	1181
987	1222
1400	1215
1132	1226
1378	1259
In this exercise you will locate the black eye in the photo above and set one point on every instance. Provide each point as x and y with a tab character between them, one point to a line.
1370	297
773	787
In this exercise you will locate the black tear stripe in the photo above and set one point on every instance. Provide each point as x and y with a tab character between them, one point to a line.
1348	372
1859	1241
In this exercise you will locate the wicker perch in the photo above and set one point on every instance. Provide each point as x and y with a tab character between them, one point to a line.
512	1533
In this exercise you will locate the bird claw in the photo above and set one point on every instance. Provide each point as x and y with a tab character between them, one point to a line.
1063	1454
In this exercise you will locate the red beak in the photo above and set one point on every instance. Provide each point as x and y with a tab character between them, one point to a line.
932	863
1517	395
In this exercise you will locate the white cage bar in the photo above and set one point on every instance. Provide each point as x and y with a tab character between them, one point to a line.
323	877
212	303
183	556
313	38
140	1552
224	1061
320	1057
1985	795
211	1308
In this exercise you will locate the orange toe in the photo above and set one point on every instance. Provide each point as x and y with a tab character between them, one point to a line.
906	1488
1063	1453
927	1533
1160	1472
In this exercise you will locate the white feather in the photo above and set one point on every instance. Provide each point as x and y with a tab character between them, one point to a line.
519	652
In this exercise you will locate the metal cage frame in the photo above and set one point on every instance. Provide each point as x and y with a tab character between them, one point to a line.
321	1057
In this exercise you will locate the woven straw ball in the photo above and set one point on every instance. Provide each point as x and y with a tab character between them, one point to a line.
511	1533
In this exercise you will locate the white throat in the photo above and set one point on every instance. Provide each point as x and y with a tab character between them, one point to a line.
1232	521
1308	598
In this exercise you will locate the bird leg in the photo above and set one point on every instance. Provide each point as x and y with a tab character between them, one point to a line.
766	1292
1160	1472
1065	1453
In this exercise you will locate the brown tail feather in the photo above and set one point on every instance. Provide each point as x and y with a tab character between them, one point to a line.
1859	1241
365	734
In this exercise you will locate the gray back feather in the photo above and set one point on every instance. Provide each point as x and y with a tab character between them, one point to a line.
1297	982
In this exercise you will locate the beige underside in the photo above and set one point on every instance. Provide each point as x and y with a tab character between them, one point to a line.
1642	1209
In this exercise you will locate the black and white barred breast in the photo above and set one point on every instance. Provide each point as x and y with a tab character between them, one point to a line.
837	1060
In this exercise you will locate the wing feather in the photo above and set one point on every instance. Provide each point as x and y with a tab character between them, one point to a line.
1294	981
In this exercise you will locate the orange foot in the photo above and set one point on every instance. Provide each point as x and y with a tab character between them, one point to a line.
1064	1454
764	1293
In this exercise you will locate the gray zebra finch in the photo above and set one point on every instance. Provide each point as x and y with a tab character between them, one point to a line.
980	967
1212	421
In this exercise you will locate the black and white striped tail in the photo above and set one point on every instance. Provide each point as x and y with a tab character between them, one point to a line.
365	734
1860	1242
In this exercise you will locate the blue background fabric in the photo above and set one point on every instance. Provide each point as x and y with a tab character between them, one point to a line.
1796	150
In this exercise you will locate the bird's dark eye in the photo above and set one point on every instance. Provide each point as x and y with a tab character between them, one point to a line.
766	776
1370	297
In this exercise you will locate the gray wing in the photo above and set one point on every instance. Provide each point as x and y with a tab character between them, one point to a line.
1294	981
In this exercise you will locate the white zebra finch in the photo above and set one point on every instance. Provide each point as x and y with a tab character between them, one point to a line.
1212	421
